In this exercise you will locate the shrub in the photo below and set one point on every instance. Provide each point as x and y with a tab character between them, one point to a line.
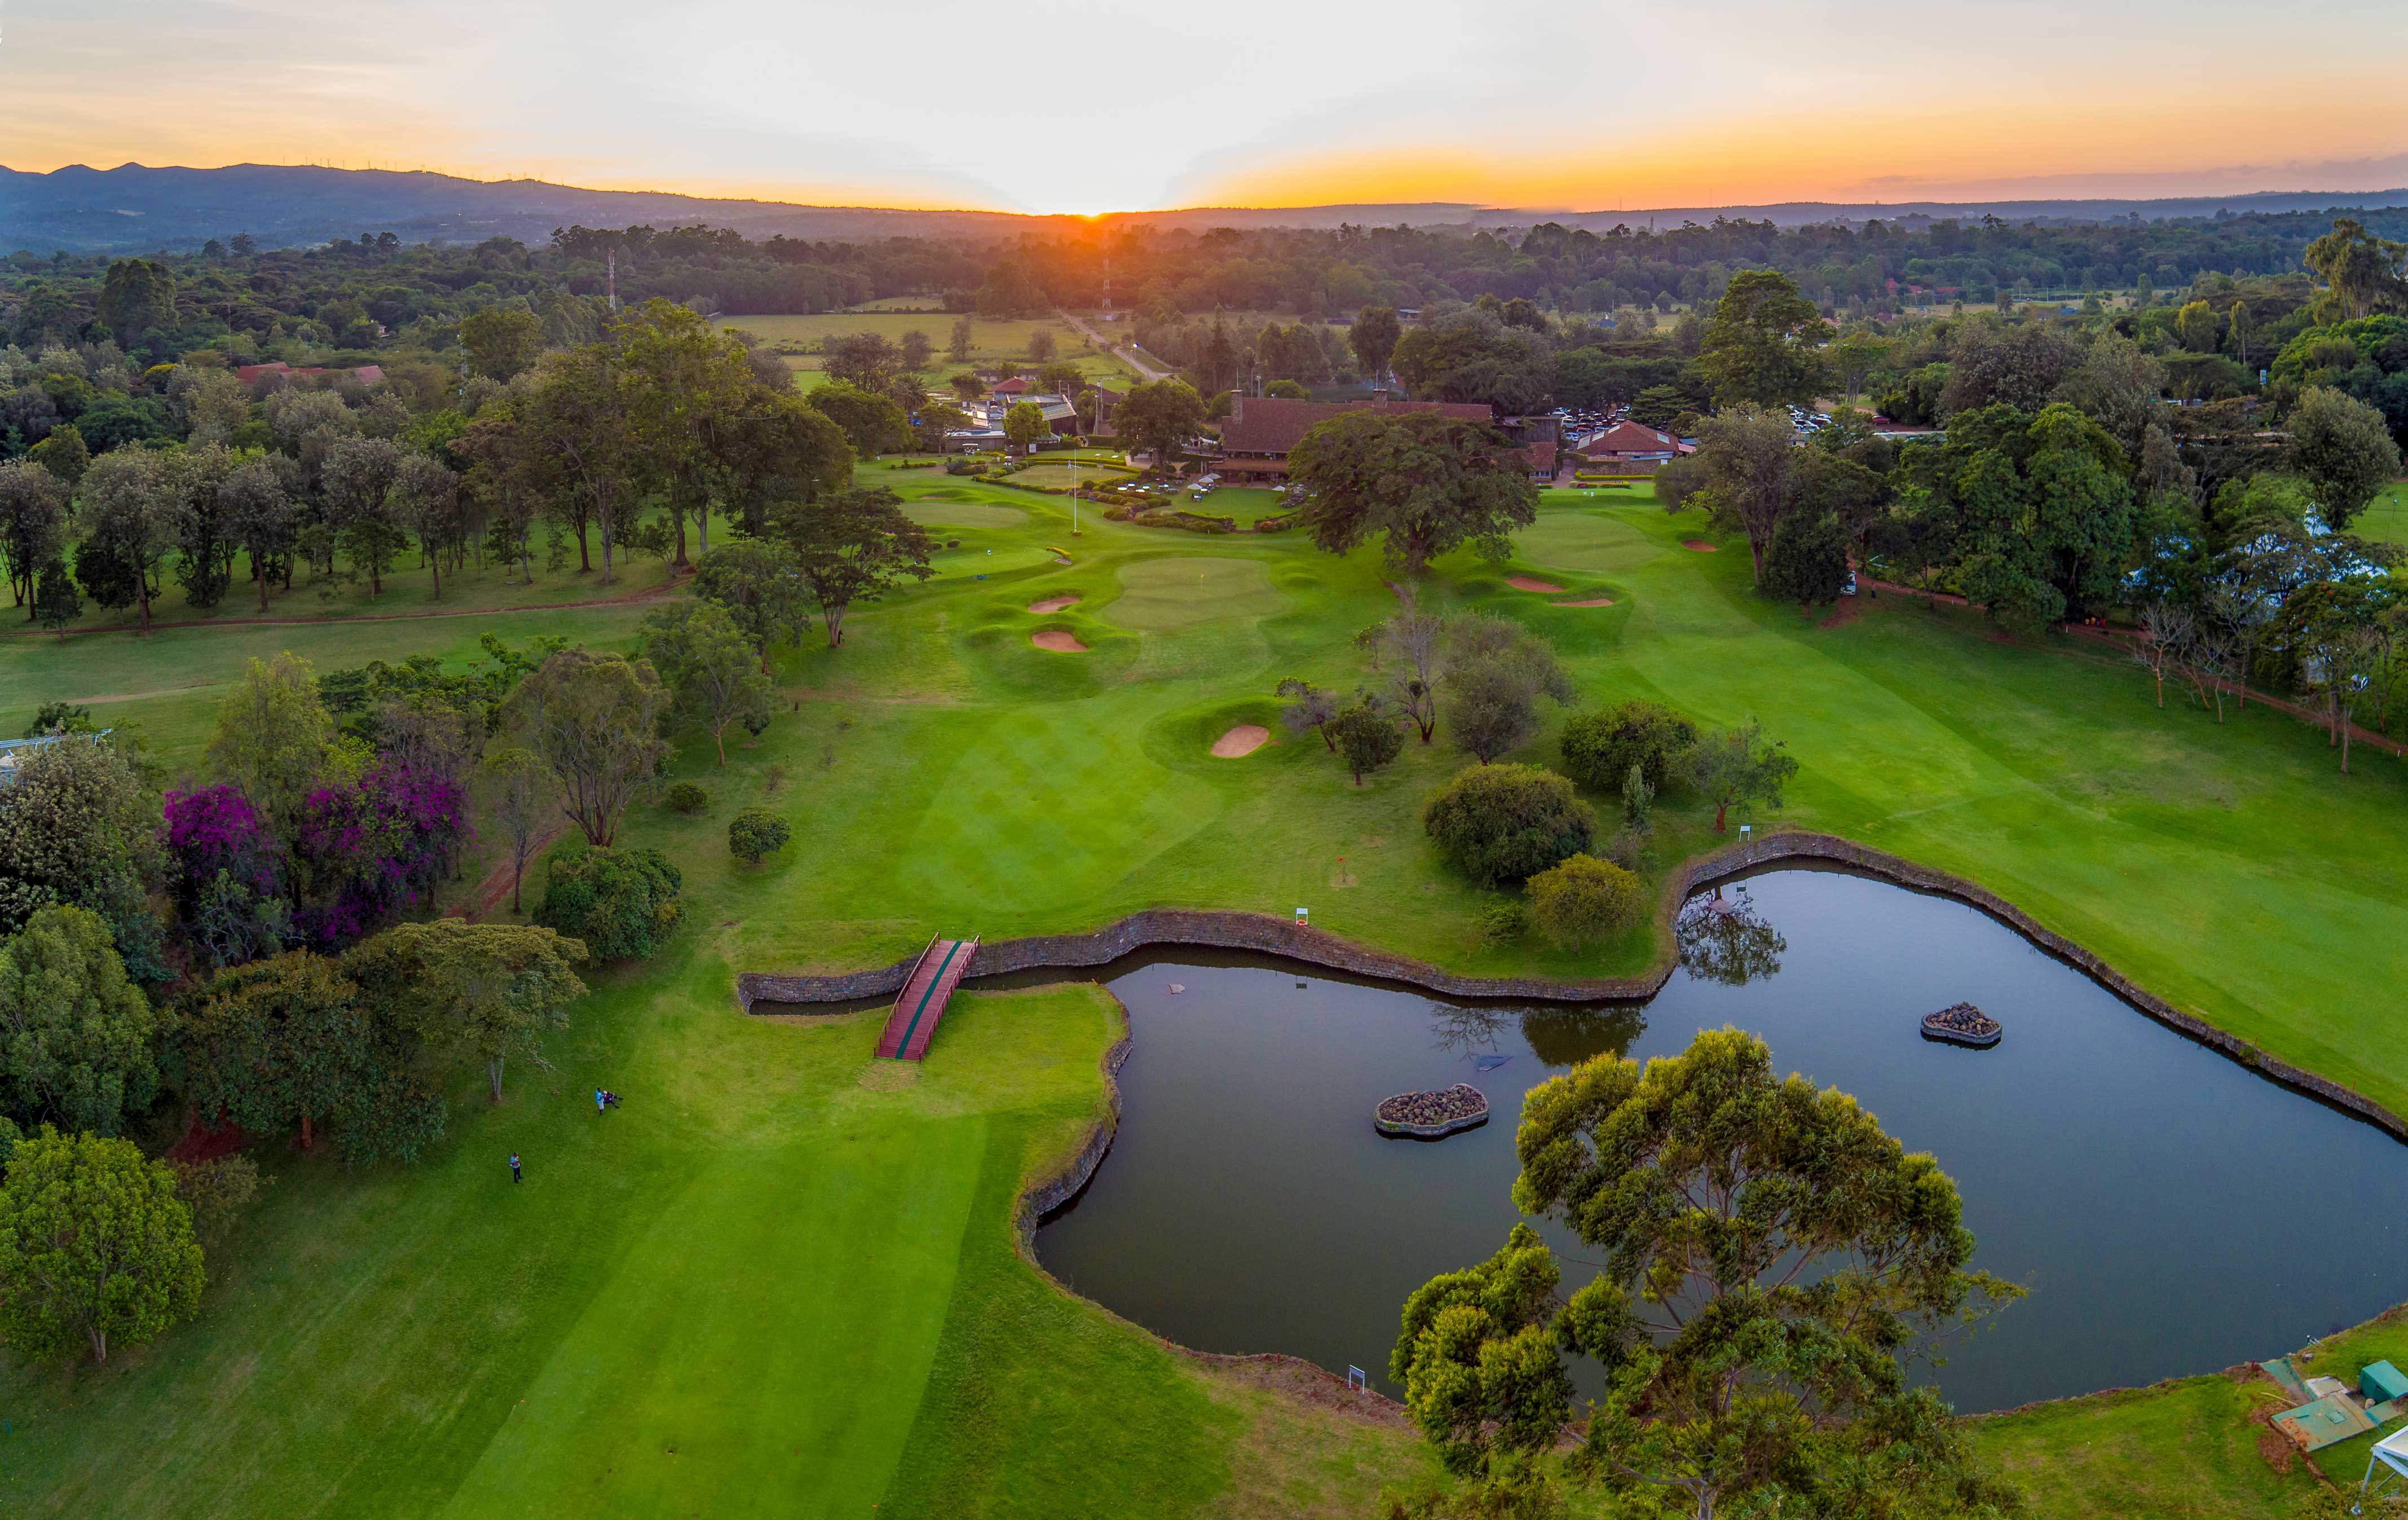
686	797
755	833
218	1192
1504	823
1599	748
1584	899
1502	923
1367	736
619	902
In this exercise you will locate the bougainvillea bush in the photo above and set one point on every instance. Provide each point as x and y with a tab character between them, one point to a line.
226	876
369	850
216	829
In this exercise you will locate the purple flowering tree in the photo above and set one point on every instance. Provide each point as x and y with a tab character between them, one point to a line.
368	851
223	874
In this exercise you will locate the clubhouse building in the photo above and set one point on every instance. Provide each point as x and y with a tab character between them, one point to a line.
1260	431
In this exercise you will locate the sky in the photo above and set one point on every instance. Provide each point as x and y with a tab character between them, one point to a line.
1085	107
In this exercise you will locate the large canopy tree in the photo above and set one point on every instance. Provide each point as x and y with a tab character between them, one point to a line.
1770	1260
853	547
125	511
710	666
95	1247
1157	419
480	991
275	1043
594	719
1422	483
75	1036
1765	342
2035	514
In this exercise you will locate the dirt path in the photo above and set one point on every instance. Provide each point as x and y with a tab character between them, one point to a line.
653	593
496	884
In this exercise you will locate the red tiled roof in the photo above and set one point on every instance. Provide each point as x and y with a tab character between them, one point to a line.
1542	456
1014	386
1630	437
1272	424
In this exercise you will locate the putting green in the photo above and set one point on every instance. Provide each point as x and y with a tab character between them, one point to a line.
938	508
1593	541
1161	595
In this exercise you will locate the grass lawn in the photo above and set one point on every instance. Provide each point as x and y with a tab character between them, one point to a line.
1072	475
2182	1451
762	1251
2387	516
797	337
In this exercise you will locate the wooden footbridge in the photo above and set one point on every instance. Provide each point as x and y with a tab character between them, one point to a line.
922	1003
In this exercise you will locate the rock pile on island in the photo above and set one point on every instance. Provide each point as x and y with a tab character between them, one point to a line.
1428	1115
1962	1023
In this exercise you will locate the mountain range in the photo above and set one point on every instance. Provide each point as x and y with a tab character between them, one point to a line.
135	208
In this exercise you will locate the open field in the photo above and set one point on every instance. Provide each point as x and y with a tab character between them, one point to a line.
995	341
760	1250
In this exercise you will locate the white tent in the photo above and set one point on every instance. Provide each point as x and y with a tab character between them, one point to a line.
2391	1453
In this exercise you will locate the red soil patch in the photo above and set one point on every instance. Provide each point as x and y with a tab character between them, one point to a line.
1588	601
198	1144
1055	641
1699	544
1244	739
1523	582
1847	611
1053	604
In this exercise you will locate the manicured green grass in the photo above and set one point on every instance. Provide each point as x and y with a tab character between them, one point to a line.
807	1287
2187	1450
779	1281
1069	475
2387	516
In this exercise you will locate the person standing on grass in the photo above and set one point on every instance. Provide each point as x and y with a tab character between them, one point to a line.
600	1100
514	1168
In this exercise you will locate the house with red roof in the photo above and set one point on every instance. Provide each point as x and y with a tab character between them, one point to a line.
1260	430
1017	385
1632	444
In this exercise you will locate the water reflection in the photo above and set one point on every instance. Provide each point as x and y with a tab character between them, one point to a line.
1722	939
2151	1193
1564	1036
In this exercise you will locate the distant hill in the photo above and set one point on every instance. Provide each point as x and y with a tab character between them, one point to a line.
132	208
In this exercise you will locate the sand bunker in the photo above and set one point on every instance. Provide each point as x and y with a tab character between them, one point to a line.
1586	601
1523	582
1699	544
1057	642
1053	604
1244	739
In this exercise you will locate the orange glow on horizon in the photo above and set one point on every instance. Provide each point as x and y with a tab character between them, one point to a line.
2167	143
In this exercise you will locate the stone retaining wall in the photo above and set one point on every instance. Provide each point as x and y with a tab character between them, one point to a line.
1273	935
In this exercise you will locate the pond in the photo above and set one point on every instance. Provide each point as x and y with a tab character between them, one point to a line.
2171	1211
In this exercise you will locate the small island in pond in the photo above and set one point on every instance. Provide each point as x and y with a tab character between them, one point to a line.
1962	1025
1429	1116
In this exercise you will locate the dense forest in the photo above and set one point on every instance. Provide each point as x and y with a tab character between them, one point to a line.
380	291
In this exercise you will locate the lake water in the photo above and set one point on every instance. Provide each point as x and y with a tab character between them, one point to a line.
2171	1212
